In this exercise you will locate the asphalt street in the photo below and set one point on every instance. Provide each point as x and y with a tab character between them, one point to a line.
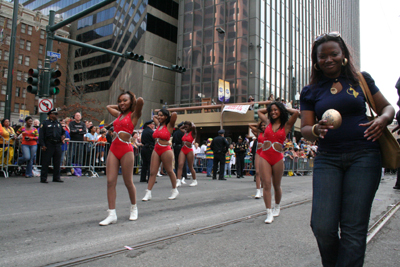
48	224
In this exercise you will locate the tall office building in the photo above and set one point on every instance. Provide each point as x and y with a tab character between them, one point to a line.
146	27
267	46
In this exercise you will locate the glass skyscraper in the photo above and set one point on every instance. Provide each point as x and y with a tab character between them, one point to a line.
268	44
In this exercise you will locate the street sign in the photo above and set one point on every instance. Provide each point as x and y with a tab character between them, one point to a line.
53	54
45	105
53	59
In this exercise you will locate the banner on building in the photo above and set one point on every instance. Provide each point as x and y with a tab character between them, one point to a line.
224	92
242	109
23	114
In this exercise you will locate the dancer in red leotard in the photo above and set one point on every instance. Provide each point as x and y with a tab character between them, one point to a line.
278	125
162	151
258	130
187	152
128	112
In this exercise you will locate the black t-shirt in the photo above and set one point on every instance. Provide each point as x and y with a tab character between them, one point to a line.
75	134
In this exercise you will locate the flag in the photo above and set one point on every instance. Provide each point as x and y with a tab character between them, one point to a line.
101	124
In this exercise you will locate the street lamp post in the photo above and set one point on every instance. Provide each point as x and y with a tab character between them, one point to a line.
222	31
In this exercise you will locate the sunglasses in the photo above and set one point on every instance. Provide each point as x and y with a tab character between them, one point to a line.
331	34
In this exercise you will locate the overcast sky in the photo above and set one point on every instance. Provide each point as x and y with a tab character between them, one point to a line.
380	44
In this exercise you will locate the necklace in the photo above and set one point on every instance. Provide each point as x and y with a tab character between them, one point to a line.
333	89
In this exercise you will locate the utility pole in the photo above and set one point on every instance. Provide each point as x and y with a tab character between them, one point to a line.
7	111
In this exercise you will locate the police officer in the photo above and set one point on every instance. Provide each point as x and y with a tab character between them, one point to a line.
219	145
177	145
240	150
147	149
51	136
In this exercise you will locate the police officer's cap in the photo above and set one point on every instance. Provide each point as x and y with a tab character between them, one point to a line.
147	123
240	137
53	111
222	131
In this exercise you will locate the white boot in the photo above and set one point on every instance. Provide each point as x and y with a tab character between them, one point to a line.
270	218
174	193
258	194
134	213
276	210
147	196
194	183
178	182
183	180
111	218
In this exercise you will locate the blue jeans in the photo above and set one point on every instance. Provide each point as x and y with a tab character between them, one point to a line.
344	186
28	155
209	166
228	169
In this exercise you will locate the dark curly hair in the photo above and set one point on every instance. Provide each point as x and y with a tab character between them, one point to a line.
284	117
349	70
132	97
28	118
165	112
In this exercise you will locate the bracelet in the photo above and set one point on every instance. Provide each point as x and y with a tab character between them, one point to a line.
312	130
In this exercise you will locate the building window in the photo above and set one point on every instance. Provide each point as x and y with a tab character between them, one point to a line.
36	97
54	98
2	106
8	39
21	44
30	28
6	55
1	54
2	20
24	93
27	60
28	45
5	73
25	76
3	89
40	63
19	75
20	59
23	106
9	23
18	92
41	49
16	107
41	34
36	110
23	28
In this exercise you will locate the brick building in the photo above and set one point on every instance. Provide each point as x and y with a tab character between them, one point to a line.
30	49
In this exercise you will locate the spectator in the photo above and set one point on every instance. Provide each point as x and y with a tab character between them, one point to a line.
77	133
209	157
8	136
196	150
203	150
91	138
29	145
101	146
64	146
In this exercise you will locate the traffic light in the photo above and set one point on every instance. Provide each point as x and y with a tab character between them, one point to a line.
178	68
54	82
256	107
33	81
134	56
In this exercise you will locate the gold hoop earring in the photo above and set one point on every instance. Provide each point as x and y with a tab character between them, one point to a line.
316	67
344	63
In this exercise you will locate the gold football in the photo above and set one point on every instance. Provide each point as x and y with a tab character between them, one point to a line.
332	117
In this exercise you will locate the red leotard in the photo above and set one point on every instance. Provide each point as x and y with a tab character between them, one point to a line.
163	134
187	137
271	155
260	140
118	148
